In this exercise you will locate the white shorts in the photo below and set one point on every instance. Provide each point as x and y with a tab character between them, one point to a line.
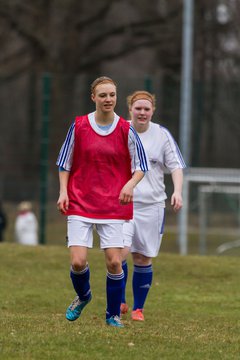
144	233
80	233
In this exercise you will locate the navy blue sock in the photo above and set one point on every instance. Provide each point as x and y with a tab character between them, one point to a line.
141	283
114	287
81	283
125	270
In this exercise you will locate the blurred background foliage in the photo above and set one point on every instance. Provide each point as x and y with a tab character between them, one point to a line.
136	42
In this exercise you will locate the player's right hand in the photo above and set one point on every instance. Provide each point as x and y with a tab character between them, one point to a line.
63	203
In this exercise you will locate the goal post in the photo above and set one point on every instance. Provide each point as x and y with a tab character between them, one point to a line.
200	176
204	191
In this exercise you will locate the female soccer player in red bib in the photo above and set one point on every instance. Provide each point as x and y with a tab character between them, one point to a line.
100	163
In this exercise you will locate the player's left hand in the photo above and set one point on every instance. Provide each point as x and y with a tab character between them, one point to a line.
126	194
176	201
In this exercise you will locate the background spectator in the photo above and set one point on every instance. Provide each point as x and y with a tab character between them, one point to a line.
26	225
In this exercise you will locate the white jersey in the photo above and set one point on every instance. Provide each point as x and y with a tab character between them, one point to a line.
164	156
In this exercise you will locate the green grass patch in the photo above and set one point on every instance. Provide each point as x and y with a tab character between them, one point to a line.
192	311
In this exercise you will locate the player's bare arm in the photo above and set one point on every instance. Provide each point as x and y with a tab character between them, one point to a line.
176	199
63	201
126	194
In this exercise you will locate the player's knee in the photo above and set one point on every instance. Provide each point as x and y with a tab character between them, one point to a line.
78	264
141	260
114	265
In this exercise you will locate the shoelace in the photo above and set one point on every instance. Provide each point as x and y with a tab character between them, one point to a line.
75	303
117	319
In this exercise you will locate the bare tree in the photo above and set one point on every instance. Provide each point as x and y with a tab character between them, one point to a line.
216	70
76	40
77	36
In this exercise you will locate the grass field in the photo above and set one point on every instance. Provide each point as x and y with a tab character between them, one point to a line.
193	309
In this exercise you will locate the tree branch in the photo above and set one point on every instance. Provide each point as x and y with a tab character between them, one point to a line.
26	33
88	63
131	28
17	72
96	17
14	56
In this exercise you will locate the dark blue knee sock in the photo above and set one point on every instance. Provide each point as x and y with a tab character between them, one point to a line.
141	283
125	271
81	283
114	287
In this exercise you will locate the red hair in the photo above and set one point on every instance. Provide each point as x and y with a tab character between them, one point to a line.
141	95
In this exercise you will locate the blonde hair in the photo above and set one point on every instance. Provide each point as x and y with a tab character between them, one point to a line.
141	95
25	206
101	80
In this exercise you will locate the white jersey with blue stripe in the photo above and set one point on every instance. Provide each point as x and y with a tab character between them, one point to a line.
164	156
136	150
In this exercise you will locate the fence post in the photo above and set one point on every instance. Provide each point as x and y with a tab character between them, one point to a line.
148	84
186	81
46	85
